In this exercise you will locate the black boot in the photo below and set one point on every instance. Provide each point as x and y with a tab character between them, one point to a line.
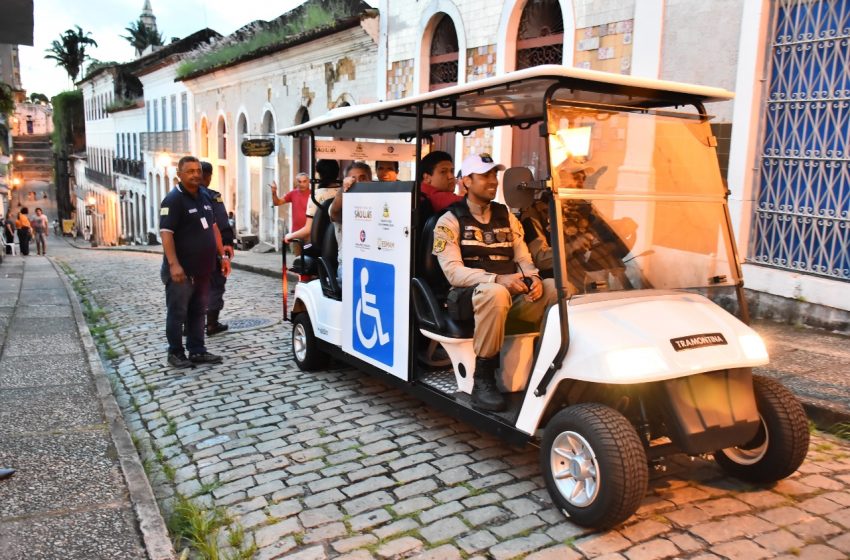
485	394
213	326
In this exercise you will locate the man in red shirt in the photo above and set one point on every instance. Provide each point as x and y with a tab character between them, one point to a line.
438	180
298	197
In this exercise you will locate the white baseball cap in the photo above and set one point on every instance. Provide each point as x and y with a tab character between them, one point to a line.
479	163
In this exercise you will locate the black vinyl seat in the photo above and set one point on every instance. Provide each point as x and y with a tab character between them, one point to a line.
307	264
328	263
430	289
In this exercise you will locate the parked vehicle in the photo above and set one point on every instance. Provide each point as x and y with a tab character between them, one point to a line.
636	361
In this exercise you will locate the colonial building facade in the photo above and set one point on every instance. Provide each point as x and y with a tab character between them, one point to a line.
782	144
302	77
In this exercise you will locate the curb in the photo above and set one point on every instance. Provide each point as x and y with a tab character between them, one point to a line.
157	543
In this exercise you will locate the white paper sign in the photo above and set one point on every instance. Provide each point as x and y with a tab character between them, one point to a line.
370	151
376	275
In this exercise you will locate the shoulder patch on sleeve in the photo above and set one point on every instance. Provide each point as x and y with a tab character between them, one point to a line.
439	245
445	232
163	211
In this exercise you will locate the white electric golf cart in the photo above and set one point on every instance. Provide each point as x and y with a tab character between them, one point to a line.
636	361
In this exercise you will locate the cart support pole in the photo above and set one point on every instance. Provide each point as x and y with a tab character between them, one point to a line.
284	281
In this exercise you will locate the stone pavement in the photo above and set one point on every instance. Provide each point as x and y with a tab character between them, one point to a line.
62	431
813	363
336	464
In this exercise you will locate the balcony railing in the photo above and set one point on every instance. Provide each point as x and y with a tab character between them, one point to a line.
130	167
176	142
103	179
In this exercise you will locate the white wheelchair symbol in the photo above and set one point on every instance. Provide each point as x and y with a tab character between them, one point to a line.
364	307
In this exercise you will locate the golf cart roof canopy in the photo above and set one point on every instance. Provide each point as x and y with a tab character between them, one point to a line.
515	98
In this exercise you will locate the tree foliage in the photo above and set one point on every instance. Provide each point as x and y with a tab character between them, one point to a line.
7	100
142	37
39	98
69	51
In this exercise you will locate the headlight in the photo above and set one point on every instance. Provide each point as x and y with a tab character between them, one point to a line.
636	362
753	347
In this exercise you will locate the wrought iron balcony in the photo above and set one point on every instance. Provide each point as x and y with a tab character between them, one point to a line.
176	142
103	179
130	167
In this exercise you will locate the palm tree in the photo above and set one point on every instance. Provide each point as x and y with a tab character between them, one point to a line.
69	51
141	36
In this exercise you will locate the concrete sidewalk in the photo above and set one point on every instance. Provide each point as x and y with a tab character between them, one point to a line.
813	363
80	490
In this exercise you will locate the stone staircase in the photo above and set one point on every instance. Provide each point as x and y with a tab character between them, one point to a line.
37	164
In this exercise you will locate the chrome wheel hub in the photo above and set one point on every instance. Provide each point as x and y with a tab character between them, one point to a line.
575	469
299	342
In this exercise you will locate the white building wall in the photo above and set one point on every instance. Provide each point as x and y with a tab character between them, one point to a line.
129	126
99	93
691	31
161	166
317	76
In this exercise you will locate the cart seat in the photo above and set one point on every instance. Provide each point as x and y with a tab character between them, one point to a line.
329	263
430	289
307	264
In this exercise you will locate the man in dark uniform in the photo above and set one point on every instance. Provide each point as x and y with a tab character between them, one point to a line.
479	245
190	243
228	239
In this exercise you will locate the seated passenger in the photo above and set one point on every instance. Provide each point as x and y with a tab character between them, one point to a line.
328	172
386	170
357	171
479	245
438	181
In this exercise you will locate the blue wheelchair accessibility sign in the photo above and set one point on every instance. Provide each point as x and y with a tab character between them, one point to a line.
374	309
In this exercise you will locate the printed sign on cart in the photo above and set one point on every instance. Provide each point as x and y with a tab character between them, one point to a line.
374	285
376	275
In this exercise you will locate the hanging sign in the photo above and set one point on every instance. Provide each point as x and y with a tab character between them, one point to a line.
374	151
257	147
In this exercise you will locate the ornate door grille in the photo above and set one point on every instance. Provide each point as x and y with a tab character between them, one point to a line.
802	218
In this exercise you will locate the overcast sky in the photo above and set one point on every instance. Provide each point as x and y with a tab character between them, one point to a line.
106	20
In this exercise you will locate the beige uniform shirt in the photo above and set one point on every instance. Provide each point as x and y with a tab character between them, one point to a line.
447	249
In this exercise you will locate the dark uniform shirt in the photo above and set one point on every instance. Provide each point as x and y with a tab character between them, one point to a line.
190	219
228	236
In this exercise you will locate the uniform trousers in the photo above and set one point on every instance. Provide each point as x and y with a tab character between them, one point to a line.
185	302
493	306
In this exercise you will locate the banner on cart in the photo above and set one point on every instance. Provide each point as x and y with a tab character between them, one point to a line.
375	253
371	151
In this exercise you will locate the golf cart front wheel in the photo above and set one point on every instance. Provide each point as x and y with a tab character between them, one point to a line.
594	465
304	350
781	444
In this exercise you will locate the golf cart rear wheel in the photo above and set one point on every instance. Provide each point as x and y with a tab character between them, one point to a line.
781	444
594	465
307	355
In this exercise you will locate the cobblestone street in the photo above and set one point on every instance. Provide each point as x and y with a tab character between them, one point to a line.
338	465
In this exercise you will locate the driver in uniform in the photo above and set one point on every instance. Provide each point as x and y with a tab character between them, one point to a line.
479	245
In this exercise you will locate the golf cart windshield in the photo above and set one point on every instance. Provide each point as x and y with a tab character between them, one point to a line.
641	199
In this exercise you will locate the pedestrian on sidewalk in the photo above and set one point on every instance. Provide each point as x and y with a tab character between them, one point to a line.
298	197
40	231
228	239
190	242
9	232
22	224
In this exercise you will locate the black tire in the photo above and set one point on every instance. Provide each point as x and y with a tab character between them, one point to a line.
615	463
304	350
780	446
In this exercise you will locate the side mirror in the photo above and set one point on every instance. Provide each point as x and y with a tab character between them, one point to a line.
518	186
